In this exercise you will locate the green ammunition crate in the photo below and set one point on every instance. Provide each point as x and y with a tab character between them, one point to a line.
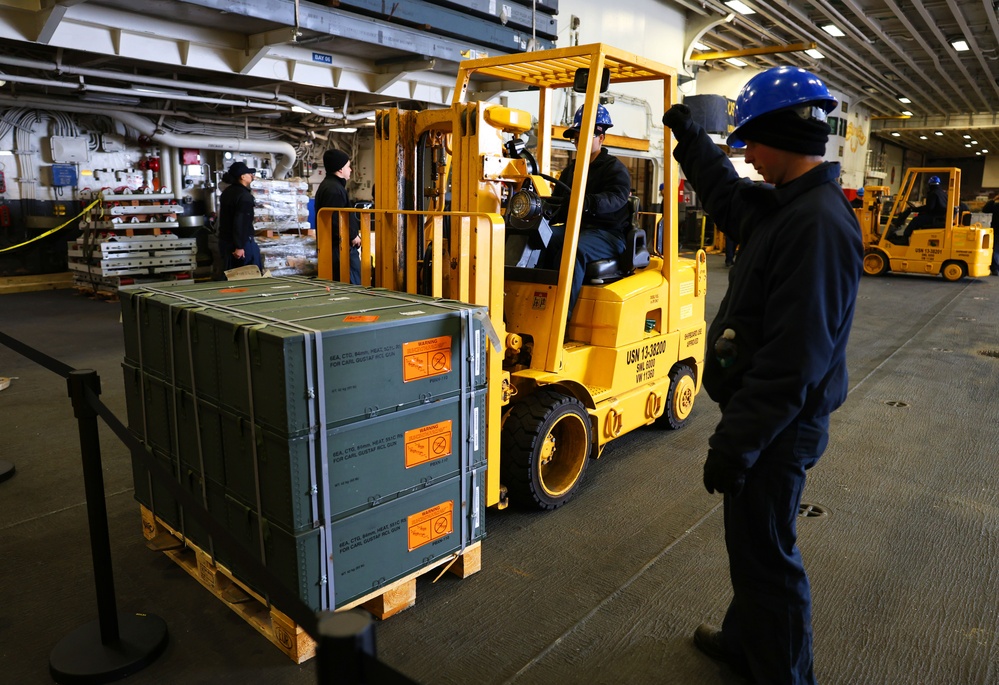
164	418
151	493
368	462
369	550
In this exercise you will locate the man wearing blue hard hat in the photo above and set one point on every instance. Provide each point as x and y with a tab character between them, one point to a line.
776	353
858	201
606	214
931	214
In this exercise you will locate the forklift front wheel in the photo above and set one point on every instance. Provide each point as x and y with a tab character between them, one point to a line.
545	447
875	263
953	271
679	397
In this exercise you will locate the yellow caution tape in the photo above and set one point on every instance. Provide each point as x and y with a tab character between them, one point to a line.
52	230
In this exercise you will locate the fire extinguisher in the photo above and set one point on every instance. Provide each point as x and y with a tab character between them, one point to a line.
4	216
3	183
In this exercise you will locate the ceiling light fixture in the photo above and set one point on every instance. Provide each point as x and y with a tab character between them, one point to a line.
922	137
967	145
904	100
833	30
966	136
814	54
700	46
896	134
938	133
343	129
906	113
871	89
736	62
985	152
960	45
300	110
740	7
974	142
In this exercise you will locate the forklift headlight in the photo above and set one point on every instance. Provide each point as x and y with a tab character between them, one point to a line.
525	205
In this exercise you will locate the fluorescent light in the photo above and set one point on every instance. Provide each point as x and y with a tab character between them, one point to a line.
922	137
871	89
967	145
974	142
938	133
736	62
978	153
904	100
814	54
906	113
960	45
300	110
833	30
343	129
740	7
985	152
966	136
896	134
701	46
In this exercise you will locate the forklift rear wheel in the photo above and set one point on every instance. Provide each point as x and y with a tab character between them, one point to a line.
545	447
953	271
679	397
875	263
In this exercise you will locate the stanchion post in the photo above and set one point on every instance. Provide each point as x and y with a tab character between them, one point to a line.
97	513
97	652
344	640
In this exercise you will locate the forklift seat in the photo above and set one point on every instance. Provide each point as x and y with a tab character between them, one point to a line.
635	256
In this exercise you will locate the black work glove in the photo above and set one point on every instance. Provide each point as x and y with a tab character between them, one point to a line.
722	474
678	119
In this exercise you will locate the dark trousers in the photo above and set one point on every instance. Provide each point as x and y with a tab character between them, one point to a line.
594	244
251	255
768	626
355	266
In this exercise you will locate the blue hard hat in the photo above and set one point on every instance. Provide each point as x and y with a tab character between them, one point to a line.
603	122
780	88
934	180
860	192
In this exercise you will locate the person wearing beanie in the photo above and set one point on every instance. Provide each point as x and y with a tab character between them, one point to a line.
332	192
237	246
776	354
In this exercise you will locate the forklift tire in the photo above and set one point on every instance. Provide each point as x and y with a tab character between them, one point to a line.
544	449
679	398
875	263
953	271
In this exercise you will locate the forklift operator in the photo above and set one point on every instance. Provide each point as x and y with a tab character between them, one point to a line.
931	214
776	353
606	218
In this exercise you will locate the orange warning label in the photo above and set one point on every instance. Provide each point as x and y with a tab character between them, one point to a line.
232	290
428	443
425	358
360	318
431	524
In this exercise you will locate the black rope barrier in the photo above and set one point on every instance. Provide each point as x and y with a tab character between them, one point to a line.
346	644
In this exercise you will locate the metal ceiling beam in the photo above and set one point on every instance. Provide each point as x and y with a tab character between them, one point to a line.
932	24
744	52
969	37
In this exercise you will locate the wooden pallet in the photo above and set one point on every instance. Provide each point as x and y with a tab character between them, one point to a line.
281	630
26	284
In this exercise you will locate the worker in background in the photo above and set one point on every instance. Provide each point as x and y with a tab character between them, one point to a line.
992	207
606	215
931	214
237	246
858	201
332	192
776	353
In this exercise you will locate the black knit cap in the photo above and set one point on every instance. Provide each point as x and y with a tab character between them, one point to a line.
787	130
334	160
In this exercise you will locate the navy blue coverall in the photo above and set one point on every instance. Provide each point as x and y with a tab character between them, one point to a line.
790	302
332	192
931	214
605	222
236	227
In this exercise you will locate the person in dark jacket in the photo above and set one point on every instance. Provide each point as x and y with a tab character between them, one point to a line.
776	353
237	245
332	192
992	207
606	215
931	214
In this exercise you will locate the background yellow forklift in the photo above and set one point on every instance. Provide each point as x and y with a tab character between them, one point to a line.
953	250
462	212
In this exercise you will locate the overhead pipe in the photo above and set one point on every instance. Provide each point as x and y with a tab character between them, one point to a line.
148	128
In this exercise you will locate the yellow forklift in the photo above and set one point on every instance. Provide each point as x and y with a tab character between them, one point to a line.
954	250
462	212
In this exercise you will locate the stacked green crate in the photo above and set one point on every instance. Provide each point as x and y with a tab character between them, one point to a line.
323	410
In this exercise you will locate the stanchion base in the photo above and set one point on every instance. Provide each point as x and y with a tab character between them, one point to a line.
80	658
6	470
